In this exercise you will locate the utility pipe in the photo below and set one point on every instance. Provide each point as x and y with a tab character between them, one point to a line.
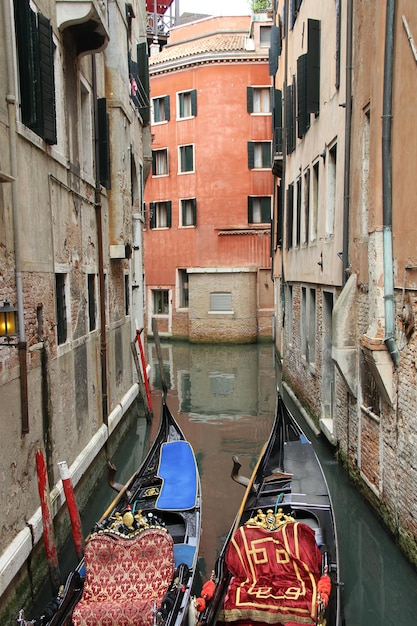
389	298
348	127
99	220
11	112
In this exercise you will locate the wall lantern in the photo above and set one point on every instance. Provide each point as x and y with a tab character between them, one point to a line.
8	322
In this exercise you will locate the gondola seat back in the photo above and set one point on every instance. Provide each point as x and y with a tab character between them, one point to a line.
126	578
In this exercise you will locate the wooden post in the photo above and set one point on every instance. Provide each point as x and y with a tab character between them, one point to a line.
48	529
145	373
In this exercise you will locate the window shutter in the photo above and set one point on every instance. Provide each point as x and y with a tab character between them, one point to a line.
290	214
302	115
169	213
25	35
289	119
153	163
143	74
277	120
46	79
266	210
195	211
251	155
103	143
313	67
280	217
266	154
152	215
167	109
249	99
250	210
274	50
194	102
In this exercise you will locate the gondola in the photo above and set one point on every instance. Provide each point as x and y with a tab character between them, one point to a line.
279	564
140	558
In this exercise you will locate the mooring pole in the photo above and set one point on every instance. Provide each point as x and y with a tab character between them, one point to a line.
48	529
76	528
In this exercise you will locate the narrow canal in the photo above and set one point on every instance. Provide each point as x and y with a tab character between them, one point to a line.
224	399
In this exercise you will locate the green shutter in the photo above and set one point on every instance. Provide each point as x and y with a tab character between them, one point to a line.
195	211
289	119
313	67
303	116
169	213
103	143
249	99
25	39
251	155
167	108
250	210
143	75
274	50
152	215
194	102
153	163
266	154
266	210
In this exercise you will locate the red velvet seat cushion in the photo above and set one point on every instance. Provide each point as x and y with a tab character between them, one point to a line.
275	575
125	579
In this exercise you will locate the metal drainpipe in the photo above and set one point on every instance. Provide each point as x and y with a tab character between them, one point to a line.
389	299
99	219
11	111
348	127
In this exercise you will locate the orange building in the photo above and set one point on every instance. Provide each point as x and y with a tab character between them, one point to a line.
209	199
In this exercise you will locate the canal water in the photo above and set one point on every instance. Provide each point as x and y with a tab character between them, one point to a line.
224	400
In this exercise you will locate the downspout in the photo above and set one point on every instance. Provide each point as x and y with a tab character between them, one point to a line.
11	111
389	300
99	220
348	130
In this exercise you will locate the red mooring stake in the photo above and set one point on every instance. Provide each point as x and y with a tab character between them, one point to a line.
48	528
76	528
144	371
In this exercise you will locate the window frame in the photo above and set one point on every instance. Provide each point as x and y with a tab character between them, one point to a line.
263	209
183	158
155	217
187	206
160	157
162	105
186	104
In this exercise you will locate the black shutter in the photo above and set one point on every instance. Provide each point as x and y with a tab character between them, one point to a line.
249	99
167	109
194	102
25	21
251	155
290	215
194	201
103	143
302	115
313	67
47	81
143	75
280	217
153	163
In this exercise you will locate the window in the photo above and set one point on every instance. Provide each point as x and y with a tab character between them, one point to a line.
91	288
258	99
182	289
259	155
186	160
308	325
160	301
86	128
61	308
160	162
160	109
306	205
35	53
371	399
139	80
314	202
221	301
127	294
160	214
188	215
259	210
187	104
265	36
331	191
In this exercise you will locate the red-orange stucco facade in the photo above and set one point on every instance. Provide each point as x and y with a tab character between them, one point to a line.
208	201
